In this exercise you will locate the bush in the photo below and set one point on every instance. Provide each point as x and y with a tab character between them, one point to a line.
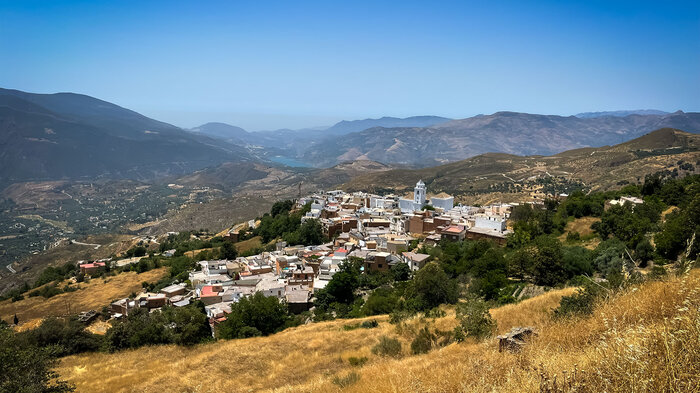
46	291
67	337
424	341
387	347
435	313
182	326
573	236
399	316
475	319
347	380
580	303
370	324
357	362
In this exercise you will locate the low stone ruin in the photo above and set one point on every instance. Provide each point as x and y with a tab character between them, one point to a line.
515	340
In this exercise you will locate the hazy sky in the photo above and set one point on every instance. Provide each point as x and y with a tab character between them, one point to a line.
268	65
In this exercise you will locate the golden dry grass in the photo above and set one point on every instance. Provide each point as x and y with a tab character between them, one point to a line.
642	340
297	358
249	244
581	225
194	253
93	295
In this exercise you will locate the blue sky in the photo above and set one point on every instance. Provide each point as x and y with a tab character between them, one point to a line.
268	65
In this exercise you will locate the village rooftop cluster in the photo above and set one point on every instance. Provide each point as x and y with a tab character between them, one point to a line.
378	230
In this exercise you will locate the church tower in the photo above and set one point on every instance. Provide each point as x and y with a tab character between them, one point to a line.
419	194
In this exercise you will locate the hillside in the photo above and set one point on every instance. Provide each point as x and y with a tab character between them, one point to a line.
497	176
645	337
72	136
92	295
224	131
348	126
504	132
276	182
621	113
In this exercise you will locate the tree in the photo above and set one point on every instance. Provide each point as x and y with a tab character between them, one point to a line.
609	258
183	326
401	272
380	301
577	261
433	287
188	325
549	267
66	336
254	315
25	368
228	251
521	263
644	252
281	207
310	233
341	288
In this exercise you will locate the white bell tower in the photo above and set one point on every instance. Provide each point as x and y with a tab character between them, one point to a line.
419	193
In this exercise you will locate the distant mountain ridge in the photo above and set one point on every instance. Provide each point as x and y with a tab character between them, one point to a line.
348	126
588	115
225	131
505	132
492	177
72	136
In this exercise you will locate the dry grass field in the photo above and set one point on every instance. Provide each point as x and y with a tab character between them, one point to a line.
581	225
642	340
645	339
249	244
93	295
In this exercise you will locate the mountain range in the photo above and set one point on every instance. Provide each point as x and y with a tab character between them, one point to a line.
588	115
506	177
504	132
74	136
71	136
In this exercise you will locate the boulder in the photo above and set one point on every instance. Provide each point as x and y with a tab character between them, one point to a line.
515	340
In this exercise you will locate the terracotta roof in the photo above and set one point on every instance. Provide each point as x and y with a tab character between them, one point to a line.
454	229
208	290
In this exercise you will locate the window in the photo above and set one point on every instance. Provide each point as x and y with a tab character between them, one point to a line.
380	265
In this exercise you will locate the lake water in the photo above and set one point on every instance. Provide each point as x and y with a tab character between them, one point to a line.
288	161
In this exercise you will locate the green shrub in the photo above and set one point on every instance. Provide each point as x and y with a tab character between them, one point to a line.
657	272
66	337
347	380
370	324
580	303
573	236
387	347
357	362
475	319
399	316
435	313
46	291
424	341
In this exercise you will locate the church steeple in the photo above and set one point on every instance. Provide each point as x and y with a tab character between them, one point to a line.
419	193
